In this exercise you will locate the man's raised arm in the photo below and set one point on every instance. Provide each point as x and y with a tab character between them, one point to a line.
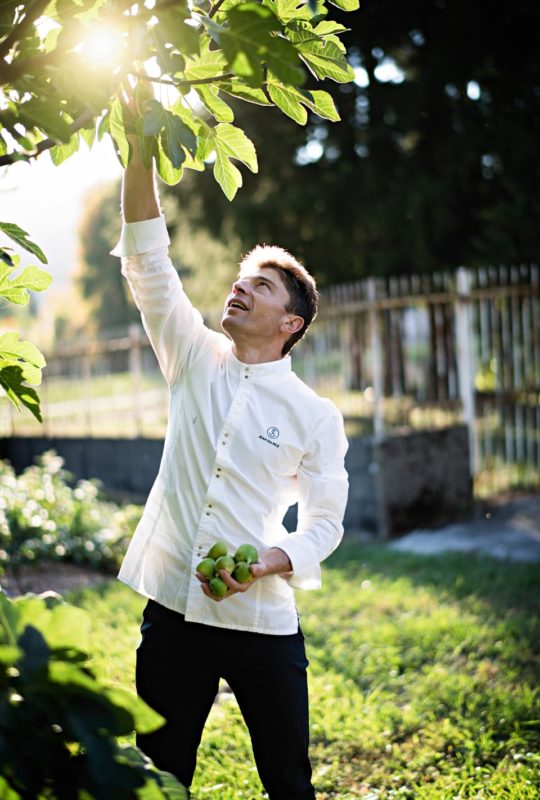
139	190
175	329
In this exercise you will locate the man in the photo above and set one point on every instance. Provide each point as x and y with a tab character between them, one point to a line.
245	440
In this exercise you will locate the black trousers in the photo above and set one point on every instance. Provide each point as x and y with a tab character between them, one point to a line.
179	665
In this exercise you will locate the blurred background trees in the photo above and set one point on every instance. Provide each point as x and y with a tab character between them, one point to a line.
433	166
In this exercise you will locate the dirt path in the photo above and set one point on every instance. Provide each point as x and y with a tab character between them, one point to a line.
509	532
50	576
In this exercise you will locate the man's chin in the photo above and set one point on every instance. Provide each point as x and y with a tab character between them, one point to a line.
227	323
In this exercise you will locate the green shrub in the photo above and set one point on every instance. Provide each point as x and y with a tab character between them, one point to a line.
44	516
58	721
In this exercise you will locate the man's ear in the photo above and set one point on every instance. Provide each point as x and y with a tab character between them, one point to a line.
292	324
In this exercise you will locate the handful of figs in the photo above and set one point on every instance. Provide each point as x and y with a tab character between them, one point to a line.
237	566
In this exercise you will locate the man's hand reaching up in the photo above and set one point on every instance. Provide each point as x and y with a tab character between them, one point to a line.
139	193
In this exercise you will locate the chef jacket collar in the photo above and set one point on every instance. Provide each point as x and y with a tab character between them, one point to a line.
268	369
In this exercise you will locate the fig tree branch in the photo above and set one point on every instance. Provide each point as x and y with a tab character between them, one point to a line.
226	76
215	9
9	73
33	12
46	144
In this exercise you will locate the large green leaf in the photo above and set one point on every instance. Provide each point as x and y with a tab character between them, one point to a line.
234	143
62	620
297	9
230	142
244	38
154	118
214	103
288	102
9	620
249	39
194	160
15	352
88	135
324	55
145	718
328	28
176	138
8	654
227	175
11	381
207	65
146	143
118	132
293	101
283	63
15	290
326	60
346	5
166	171
60	152
173	26
21	237
44	113
251	94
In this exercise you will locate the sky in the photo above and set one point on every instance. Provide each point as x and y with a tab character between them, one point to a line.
47	202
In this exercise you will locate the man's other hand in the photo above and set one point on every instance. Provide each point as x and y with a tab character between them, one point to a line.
274	562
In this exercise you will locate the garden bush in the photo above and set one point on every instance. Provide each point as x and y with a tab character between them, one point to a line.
45	515
59	722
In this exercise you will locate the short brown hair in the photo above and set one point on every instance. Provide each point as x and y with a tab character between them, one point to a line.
301	286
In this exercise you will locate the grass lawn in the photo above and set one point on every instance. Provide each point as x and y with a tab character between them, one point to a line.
424	679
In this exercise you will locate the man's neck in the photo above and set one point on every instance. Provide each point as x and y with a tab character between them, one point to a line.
253	354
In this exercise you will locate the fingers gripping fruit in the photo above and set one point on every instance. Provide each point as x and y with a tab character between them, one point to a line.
238	566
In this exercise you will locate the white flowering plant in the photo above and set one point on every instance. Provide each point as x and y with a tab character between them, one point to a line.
46	515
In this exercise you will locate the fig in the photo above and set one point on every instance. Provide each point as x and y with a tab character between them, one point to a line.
217	550
242	572
226	563
218	587
247	553
207	567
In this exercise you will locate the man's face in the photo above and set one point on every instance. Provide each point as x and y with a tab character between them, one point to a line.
256	307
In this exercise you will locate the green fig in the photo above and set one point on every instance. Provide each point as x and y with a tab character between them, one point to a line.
217	550
242	572
207	567
218	587
247	553
226	563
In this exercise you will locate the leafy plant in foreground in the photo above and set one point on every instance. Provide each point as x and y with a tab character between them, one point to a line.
58	721
21	362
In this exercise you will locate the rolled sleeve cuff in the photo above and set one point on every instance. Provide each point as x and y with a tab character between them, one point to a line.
142	237
304	576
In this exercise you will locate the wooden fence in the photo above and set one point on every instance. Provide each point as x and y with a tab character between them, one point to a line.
418	351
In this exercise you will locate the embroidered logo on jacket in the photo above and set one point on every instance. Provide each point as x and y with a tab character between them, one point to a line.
272	433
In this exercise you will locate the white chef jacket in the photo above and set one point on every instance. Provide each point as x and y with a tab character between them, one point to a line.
243	443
